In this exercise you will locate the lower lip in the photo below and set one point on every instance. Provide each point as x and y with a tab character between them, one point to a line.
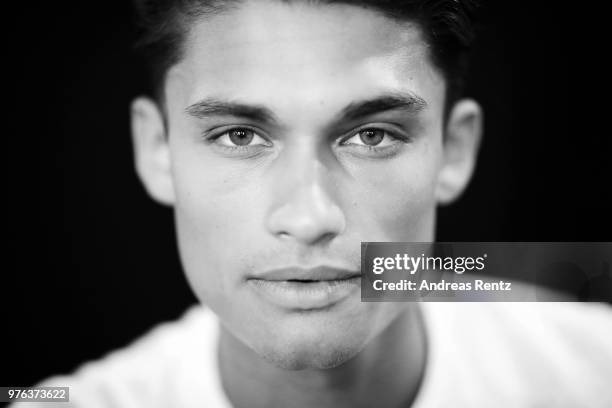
306	295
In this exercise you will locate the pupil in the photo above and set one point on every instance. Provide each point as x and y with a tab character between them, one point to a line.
241	137
371	137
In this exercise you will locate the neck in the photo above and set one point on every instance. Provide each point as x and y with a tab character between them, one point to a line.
387	373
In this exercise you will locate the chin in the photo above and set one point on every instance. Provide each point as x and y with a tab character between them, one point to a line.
298	345
303	356
309	339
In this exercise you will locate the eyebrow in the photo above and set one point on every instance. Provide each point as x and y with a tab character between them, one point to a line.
355	110
404	100
215	107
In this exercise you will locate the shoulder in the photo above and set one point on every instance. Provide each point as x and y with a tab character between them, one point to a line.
171	365
549	353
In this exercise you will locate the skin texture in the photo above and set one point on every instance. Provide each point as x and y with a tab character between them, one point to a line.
306	191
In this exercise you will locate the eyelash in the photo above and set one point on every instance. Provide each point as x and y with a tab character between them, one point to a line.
213	137
397	136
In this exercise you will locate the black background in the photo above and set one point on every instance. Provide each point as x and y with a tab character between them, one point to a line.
92	262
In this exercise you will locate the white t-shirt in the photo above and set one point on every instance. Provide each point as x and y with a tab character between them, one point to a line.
479	355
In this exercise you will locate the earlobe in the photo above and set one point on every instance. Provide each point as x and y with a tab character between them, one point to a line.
461	142
151	150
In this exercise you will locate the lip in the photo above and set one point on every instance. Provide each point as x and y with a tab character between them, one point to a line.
306	289
320	273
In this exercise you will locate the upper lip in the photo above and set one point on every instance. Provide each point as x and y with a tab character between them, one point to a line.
319	273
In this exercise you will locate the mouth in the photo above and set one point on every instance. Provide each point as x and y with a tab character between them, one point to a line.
306	289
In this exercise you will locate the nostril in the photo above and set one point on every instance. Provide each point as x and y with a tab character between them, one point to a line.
326	238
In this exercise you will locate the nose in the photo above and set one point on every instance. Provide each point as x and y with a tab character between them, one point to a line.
305	210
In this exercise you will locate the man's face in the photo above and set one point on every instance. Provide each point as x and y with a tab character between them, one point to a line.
295	132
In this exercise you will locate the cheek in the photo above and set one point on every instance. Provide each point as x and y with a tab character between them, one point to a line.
398	200
213	226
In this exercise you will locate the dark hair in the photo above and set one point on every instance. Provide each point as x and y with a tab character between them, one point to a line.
446	24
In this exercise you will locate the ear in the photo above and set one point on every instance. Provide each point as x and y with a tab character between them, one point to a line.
151	150
461	143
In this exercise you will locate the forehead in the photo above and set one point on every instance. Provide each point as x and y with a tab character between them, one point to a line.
300	53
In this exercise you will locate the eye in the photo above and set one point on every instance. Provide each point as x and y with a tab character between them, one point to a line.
238	137
371	137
